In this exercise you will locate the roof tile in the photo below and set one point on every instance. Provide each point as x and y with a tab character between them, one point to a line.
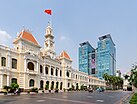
28	36
65	55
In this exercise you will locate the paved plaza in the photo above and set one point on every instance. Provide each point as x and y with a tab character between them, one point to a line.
66	98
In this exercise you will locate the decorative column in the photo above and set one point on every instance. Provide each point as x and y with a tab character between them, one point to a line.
44	68
50	85
59	85
8	80
49	69
1	81
37	67
25	65
8	62
54	73
58	72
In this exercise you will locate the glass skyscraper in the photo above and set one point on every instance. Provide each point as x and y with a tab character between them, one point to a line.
87	61
106	56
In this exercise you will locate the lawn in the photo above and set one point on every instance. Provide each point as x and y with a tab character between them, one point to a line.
134	99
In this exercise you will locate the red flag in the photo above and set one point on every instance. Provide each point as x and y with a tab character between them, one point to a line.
48	11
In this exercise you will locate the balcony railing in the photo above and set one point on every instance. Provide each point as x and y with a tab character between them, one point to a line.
4	69
32	71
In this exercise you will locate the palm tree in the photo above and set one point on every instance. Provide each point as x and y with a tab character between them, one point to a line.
106	78
113	81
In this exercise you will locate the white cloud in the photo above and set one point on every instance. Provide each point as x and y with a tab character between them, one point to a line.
63	38
5	38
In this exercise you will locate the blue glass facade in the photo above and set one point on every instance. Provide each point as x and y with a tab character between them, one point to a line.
106	56
87	58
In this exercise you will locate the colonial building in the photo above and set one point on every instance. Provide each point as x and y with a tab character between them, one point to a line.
30	66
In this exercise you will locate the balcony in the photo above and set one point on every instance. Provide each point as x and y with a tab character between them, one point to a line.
33	72
4	70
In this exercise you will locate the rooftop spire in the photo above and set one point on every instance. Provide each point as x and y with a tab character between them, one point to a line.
49	31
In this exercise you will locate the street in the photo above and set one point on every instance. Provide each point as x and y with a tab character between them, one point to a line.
66	98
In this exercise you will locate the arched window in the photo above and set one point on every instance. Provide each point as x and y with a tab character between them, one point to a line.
30	66
77	86
41	69
76	76
60	73
31	83
67	74
41	84
56	72
52	71
68	84
14	63
61	85
57	83
3	61
47	85
46	70
52	85
14	80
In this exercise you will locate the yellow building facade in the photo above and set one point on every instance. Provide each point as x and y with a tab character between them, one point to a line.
30	66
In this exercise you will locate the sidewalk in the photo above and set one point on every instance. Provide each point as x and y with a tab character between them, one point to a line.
126	99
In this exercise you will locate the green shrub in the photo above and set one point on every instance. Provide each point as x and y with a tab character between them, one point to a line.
14	86
52	87
64	89
70	89
28	91
34	89
5	92
108	88
7	88
47	87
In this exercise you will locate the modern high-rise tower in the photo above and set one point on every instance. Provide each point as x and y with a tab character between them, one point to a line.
87	58
106	56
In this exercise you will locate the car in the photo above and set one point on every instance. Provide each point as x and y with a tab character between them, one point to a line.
100	89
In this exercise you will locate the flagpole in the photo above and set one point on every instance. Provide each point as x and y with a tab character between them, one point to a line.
51	20
49	11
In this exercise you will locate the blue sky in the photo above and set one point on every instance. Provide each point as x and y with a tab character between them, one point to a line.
74	21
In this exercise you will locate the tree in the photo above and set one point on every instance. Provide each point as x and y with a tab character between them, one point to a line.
133	77
14	86
113	81
106	78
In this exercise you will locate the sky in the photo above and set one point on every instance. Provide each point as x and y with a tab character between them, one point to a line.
73	22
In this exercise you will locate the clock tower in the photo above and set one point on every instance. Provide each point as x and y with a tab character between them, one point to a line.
49	46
